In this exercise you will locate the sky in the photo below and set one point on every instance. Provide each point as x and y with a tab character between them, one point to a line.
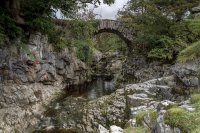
109	12
104	11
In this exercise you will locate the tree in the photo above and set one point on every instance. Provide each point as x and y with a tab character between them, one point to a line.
162	29
31	9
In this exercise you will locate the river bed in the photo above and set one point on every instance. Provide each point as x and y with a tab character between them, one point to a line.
66	112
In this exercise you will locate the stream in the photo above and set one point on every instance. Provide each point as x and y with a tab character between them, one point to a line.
66	112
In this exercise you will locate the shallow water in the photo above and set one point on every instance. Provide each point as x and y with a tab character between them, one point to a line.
67	112
95	89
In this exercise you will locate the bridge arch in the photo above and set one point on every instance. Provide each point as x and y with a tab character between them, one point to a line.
116	27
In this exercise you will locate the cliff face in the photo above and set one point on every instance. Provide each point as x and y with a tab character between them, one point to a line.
30	76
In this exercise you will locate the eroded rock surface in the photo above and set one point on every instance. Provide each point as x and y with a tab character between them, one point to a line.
30	76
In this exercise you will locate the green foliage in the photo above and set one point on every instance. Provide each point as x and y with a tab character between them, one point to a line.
177	117
42	24
195	98
140	116
84	49
193	25
62	43
136	130
47	8
110	42
8	27
162	27
185	120
82	29
165	48
190	53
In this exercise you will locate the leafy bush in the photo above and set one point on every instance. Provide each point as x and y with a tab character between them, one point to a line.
165	48
62	43
82	29
43	24
84	49
8	27
110	42
190	53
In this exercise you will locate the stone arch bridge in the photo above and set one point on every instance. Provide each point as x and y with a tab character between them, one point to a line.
116	27
111	26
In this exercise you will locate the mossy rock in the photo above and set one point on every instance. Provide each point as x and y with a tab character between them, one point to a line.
140	116
177	117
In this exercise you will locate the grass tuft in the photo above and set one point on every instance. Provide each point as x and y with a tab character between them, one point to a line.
190	53
136	130
183	119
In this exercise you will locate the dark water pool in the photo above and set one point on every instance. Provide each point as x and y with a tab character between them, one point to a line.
92	90
67	111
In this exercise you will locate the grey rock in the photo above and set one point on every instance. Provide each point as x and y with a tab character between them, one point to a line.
102	129
115	129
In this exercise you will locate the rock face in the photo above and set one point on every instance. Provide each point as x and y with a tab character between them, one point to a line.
186	74
196	10
138	69
122	106
109	65
39	63
29	78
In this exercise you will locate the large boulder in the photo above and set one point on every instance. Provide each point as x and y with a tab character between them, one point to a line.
186	73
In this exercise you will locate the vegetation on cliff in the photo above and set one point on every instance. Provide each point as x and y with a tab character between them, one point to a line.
185	120
164	26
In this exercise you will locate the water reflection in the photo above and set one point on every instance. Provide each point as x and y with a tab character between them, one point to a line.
67	111
97	88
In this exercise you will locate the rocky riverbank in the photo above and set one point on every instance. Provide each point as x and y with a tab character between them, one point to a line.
141	104
31	76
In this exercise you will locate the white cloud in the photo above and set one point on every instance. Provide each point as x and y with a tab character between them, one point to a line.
109	12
